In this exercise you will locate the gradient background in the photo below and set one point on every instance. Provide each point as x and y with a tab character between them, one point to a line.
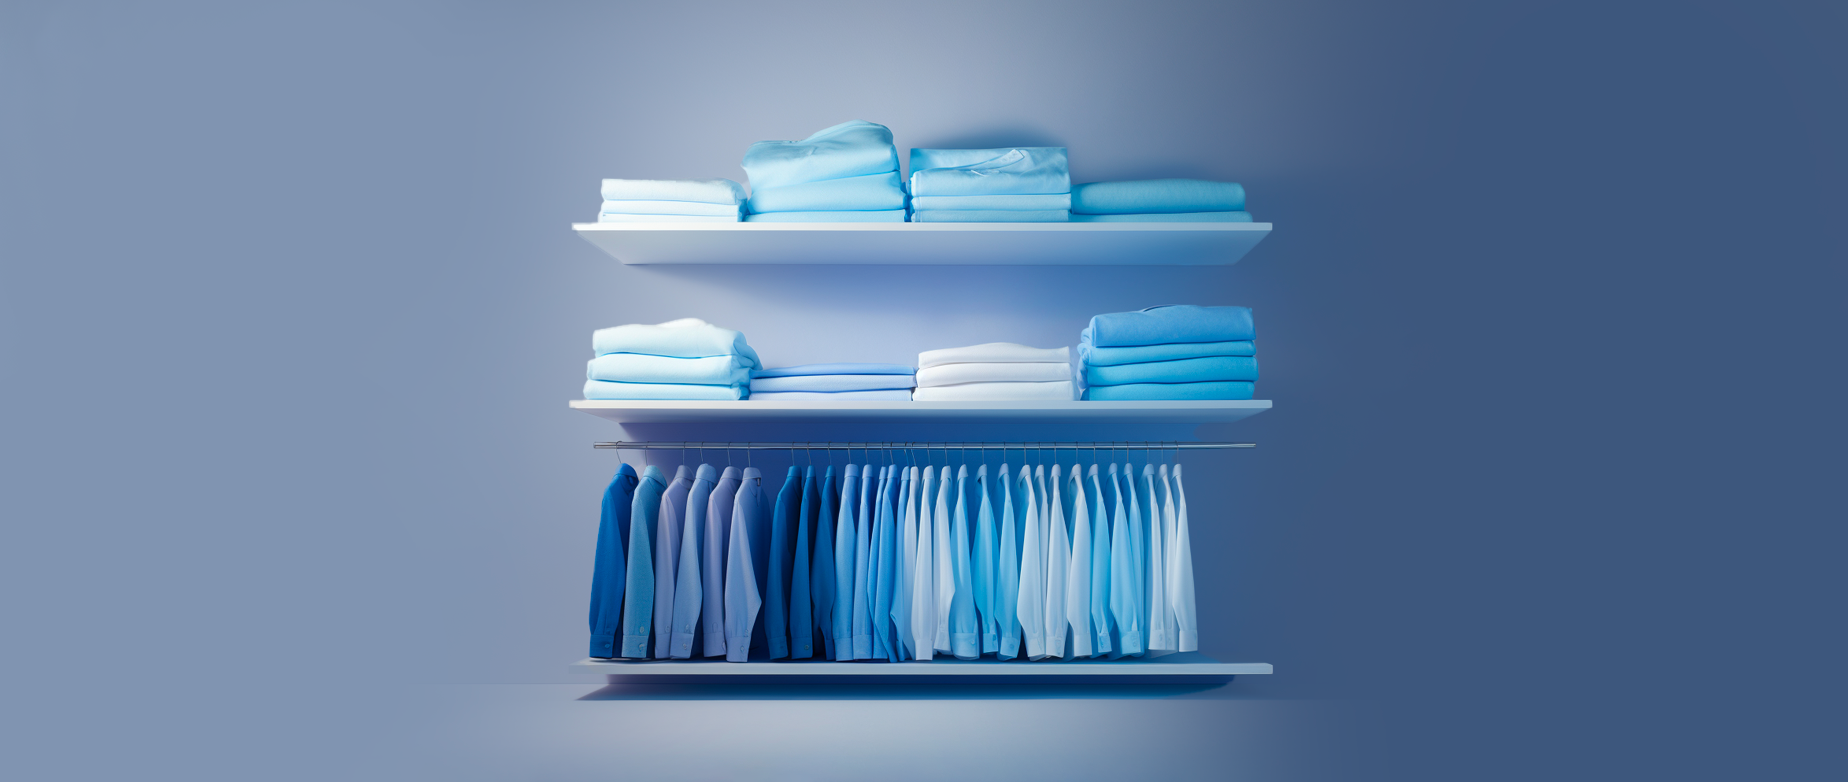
1552	319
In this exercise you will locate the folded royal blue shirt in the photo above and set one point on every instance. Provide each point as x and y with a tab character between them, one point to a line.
1170	323
850	149
1155	196
1186	370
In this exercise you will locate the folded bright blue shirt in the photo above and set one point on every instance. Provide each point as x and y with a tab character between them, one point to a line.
622	218
1011	202
1186	370
892	216
669	208
850	149
835	369
969	172
1147	196
1143	392
643	368
1110	357
1179	217
1169	323
990	216
705	191
683	338
604	389
830	383
838	396
853	194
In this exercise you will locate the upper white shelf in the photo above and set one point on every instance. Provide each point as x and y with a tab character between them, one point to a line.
914	244
1164	412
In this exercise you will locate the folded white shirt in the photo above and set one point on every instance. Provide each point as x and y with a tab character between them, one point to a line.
996	392
955	374
995	353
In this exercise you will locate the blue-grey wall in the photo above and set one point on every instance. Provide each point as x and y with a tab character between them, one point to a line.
1551	319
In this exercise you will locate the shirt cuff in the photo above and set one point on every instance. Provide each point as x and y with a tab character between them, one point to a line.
862	647
603	644
1100	642
965	646
635	646
681	647
779	647
1131	641
737	649
990	643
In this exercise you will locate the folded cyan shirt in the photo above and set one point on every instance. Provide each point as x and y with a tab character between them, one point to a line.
1142	392
1109	357
850	149
990	216
669	208
899	395
683	338
643	368
622	218
1060	391
854	194
1181	217
1149	196
604	389
1169	323
829	383
705	191
1052	202
954	374
835	369
893	216
1186	370
969	172
994	353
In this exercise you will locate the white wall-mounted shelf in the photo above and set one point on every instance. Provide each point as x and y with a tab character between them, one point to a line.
746	411
932	244
1190	667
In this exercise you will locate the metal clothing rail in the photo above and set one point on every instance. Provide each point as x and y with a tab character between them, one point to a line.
923	446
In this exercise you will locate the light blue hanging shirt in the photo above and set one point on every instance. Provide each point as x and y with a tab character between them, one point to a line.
687	592
1100	567
862	567
844	563
638	597
965	625
885	644
983	560
1031	610
1125	592
1007	569
609	574
907	562
746	566
822	577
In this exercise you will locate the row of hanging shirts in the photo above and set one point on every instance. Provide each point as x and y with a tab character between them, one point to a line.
897	562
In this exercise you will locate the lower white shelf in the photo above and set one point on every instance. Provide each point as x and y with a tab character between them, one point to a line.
1175	668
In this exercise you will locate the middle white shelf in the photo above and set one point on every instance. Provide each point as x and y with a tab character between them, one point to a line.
1156	412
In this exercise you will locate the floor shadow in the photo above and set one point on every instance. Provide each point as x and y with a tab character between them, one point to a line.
625	691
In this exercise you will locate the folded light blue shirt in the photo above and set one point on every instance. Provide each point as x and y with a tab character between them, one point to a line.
990	216
1006	171
1182	217
853	194
669	208
830	383
850	149
1109	357
1186	370
1149	196
683	338
888	216
644	368
1143	392
607	217
1054	201
835	369
604	389
1170	323
704	191
895	395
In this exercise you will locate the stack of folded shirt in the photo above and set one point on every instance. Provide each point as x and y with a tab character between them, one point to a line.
1160	201
680	359
1018	185
845	174
995	372
1172	352
834	383
671	201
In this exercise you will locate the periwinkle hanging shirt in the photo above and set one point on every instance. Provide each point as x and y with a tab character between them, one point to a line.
783	525
668	519
945	576
844	536
982	560
1031	609
1100	567
801	617
746	566
1078	567
822	577
907	563
714	545
1180	580
885	642
1007	570
686	595
638	597
862	567
1155	570
609	574
965	626
1125	594
923	584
